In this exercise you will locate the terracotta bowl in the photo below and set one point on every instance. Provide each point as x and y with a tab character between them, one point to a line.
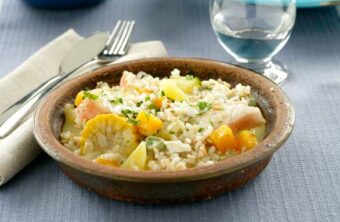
167	186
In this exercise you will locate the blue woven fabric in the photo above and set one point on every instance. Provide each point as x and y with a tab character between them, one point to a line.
301	183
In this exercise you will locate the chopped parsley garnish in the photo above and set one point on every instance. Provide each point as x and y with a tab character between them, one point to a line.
133	121
152	106
147	98
172	132
116	101
162	93
90	95
200	130
129	113
211	123
138	104
204	107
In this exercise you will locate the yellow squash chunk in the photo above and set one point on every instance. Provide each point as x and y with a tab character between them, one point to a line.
148	124
108	132
171	90
69	124
137	159
223	138
246	140
79	98
107	162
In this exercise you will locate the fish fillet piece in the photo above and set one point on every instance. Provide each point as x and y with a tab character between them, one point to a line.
236	116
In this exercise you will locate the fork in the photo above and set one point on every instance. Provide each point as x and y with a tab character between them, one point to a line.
115	47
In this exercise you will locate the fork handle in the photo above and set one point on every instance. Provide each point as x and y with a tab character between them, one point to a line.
24	106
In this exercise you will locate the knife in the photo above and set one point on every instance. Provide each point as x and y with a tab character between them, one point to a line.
82	53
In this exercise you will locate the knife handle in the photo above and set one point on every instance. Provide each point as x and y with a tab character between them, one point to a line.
9	120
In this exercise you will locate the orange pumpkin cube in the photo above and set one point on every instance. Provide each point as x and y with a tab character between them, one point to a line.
158	102
223	138
148	124
107	162
246	140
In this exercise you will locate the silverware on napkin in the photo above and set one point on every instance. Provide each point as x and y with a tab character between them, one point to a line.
98	48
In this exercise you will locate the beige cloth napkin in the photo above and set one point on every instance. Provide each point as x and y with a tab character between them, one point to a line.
20	148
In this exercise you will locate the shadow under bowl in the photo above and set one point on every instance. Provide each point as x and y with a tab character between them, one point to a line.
167	186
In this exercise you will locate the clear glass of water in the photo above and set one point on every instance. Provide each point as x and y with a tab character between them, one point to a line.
253	31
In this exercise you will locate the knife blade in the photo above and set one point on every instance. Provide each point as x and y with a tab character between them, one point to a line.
83	52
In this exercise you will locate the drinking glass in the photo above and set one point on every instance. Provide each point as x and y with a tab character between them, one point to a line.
253	31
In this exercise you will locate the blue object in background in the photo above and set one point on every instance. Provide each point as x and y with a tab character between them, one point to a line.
299	3
315	3
62	4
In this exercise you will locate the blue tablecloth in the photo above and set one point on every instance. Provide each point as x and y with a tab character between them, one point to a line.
302	182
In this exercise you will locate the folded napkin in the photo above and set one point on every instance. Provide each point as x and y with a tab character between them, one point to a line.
20	148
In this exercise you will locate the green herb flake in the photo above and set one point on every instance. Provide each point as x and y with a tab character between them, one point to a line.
147	98
172	132
116	101
133	121
138	104
200	130
204	107
153	107
211	123
129	113
120	100
154	142
90	95
162	93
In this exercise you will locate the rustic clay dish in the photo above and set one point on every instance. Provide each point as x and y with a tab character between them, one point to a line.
167	186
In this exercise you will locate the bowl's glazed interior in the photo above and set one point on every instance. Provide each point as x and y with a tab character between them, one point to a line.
274	104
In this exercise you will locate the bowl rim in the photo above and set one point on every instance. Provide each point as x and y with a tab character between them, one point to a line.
273	141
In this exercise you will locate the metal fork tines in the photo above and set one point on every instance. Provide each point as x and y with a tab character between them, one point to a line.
119	39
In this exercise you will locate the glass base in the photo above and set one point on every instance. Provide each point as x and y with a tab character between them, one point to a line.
273	70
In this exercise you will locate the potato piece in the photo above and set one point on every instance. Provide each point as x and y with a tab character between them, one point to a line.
187	83
171	90
137	159
260	132
148	124
69	124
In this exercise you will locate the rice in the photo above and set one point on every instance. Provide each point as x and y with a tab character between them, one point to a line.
187	124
